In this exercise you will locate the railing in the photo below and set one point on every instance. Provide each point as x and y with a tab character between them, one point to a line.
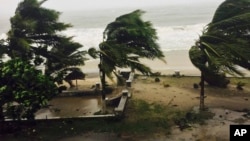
125	95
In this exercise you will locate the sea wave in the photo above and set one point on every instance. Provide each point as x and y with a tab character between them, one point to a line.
178	37
3	36
170	37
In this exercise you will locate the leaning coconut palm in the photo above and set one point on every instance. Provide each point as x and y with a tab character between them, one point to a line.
210	60
35	36
3	49
231	22
127	35
224	43
64	57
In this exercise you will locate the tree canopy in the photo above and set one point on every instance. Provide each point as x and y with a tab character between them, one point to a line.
224	44
231	22
35	35
225	40
35	39
22	84
129	36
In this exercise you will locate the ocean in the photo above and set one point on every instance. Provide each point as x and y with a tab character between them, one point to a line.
178	26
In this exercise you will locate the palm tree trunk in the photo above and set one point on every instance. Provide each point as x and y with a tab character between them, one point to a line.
102	77
76	84
202	105
103	91
1	114
103	85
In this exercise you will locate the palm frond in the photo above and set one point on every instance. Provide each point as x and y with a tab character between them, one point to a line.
93	53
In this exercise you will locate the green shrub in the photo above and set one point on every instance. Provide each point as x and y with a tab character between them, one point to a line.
240	85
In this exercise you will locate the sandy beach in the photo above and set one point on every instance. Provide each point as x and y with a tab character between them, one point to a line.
177	60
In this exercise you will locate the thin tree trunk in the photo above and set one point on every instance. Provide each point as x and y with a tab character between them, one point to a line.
76	84
103	85
202	103
102	77
103	91
1	114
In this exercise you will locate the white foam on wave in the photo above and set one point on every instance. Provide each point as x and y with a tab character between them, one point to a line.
3	36
88	37
170	37
178	37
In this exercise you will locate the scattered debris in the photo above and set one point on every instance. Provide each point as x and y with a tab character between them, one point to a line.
157	79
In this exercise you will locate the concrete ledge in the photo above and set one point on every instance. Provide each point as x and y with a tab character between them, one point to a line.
120	109
80	93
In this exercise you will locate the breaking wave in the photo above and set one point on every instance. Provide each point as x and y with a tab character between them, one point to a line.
170	38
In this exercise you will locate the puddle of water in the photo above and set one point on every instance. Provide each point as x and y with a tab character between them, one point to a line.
70	107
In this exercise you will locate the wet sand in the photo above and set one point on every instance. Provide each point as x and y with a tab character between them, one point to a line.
177	60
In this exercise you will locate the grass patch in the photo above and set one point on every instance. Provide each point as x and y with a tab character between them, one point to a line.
192	117
141	118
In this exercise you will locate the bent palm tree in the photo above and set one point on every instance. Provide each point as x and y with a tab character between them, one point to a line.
231	22
35	36
127	35
224	43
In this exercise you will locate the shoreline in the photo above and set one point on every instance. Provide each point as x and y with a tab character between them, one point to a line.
177	60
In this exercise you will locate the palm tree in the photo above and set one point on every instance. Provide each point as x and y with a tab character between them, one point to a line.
34	36
3	49
127	35
231	22
224	43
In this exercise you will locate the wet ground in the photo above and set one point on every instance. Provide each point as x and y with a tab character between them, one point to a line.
70	107
96	137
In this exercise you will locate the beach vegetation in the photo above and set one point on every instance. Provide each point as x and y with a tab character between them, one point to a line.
157	79
125	40
196	86
35	36
23	90
224	44
240	85
186	119
2	49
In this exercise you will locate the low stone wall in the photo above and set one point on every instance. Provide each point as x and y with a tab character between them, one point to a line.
91	92
125	95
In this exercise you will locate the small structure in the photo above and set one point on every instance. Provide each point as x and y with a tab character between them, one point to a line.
128	83
177	73
97	86
75	74
120	101
119	110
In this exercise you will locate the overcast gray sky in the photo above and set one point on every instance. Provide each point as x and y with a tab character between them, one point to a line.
7	7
